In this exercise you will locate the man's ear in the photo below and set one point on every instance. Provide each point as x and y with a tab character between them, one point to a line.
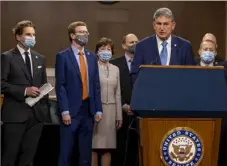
73	36
124	46
200	52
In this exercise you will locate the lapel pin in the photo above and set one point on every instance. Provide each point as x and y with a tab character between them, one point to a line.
88	53
36	57
175	45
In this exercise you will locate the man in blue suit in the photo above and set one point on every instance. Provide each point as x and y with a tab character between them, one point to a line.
162	48
78	95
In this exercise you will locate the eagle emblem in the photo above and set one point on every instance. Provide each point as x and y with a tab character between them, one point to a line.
181	153
181	146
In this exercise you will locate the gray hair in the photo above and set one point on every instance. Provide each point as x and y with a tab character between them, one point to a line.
163	12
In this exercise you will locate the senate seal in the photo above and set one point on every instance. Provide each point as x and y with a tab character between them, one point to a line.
181	146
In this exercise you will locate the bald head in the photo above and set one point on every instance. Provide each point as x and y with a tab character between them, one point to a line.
210	37
129	37
128	41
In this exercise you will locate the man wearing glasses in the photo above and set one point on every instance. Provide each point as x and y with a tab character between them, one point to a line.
162	48
78	96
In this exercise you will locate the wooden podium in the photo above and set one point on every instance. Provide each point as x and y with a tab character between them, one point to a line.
180	111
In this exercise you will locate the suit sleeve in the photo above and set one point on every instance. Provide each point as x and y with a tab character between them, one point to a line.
98	103
15	91
137	61
189	59
60	83
118	98
44	76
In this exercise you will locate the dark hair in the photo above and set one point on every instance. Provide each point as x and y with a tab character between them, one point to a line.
19	28
72	27
103	42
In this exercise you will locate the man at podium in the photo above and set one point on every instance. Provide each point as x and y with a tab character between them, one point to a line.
162	48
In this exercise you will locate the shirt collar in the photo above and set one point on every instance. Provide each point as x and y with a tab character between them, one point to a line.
75	50
127	58
203	64
159	41
22	50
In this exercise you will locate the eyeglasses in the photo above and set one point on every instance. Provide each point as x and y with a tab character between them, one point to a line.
83	32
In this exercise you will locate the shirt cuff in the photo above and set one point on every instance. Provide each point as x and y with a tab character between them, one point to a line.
25	91
124	107
98	113
65	113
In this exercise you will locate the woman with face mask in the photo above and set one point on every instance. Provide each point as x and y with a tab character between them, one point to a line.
104	134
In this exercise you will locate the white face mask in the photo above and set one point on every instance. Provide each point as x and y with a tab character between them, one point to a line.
207	57
29	41
105	56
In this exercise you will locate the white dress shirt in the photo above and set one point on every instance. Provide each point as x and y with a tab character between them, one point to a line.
160	47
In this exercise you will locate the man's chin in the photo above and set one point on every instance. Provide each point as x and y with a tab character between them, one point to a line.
163	37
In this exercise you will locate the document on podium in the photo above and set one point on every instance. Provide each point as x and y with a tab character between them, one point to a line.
44	90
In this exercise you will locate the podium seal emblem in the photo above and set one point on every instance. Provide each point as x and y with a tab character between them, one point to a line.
181	146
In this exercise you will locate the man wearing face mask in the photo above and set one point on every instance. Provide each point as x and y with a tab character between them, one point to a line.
208	52
124	64
23	71
78	95
163	48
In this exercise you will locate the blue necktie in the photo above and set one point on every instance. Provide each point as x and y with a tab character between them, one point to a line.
163	55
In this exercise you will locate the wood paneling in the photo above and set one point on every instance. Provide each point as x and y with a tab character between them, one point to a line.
154	129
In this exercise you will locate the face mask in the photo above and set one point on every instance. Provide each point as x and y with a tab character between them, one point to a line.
131	49
105	56
29	41
82	40
207	57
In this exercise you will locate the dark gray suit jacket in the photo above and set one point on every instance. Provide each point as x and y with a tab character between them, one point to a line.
14	79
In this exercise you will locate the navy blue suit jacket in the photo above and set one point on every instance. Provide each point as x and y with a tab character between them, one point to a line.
147	53
69	84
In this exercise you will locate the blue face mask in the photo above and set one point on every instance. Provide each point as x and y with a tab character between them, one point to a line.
105	56
207	57
29	41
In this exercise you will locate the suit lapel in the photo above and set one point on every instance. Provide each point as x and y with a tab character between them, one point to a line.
89	63
124	64
34	64
74	62
21	63
174	47
156	57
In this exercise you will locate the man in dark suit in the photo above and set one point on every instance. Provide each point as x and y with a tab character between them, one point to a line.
23	72
78	95
162	48
124	64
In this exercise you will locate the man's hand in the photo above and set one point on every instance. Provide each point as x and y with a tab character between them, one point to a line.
98	117
128	109
66	119
32	91
118	123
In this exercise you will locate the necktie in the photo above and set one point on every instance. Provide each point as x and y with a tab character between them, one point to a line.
83	72
163	55
28	63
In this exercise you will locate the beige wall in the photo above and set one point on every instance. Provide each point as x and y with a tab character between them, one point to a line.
194	19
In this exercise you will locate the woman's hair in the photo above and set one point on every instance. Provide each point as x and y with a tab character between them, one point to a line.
103	42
